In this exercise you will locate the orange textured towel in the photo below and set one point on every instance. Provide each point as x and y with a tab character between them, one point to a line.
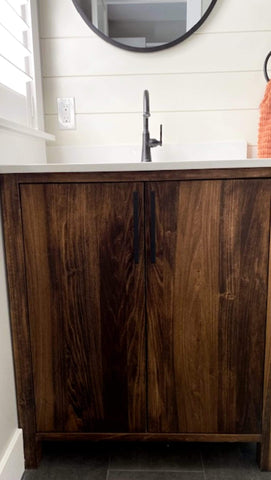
264	134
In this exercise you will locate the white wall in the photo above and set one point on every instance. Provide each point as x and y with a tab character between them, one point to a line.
207	88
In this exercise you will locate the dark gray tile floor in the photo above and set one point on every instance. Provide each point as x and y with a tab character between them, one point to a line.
149	461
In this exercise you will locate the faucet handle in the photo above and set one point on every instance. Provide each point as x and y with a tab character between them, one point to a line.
161	130
153	142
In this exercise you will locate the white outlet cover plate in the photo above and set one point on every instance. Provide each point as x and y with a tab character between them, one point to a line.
66	113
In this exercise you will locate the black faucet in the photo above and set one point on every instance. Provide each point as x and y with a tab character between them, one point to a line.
147	142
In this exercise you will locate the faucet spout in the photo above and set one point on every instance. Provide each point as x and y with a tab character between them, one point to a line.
147	142
146	104
146	112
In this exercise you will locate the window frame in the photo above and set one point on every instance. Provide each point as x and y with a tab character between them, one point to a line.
27	110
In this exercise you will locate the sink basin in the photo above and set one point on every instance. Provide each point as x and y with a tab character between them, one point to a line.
217	151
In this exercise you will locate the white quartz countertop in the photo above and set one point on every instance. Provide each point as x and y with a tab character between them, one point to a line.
134	166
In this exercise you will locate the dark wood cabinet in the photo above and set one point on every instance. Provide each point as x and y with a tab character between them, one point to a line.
140	304
86	300
206	306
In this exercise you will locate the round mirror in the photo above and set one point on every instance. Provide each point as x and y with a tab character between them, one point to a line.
144	25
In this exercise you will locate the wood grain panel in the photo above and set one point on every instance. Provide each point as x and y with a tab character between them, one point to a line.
264	449
207	336
86	306
182	310
150	437
244	240
145	176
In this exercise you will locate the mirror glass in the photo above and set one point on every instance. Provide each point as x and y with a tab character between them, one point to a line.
144	25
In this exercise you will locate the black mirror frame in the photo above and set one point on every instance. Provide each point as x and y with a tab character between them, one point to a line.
148	49
265	67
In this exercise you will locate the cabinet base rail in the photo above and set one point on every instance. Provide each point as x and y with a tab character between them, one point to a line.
152	437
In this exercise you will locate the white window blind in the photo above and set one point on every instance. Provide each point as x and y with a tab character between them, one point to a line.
15	48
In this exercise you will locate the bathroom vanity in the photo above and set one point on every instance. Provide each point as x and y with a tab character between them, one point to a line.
140	303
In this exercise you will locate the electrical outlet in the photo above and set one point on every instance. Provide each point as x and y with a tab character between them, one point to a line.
66	113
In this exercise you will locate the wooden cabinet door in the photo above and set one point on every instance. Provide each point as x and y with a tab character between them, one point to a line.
207	265
85	282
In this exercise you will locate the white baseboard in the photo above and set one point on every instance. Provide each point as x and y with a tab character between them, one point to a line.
12	462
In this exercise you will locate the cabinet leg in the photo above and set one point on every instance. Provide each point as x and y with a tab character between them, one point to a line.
264	456
258	454
32	453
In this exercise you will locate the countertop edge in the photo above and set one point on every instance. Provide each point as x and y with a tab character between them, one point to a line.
134	167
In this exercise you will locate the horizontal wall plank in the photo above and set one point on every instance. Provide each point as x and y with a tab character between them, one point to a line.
61	19
210	91
239	16
180	127
234	150
80	154
205	53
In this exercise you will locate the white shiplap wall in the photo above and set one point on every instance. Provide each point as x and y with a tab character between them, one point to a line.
207	88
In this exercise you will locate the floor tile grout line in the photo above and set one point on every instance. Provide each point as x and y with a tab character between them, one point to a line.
202	464
153	470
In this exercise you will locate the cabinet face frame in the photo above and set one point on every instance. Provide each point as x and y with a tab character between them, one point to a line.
11	214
